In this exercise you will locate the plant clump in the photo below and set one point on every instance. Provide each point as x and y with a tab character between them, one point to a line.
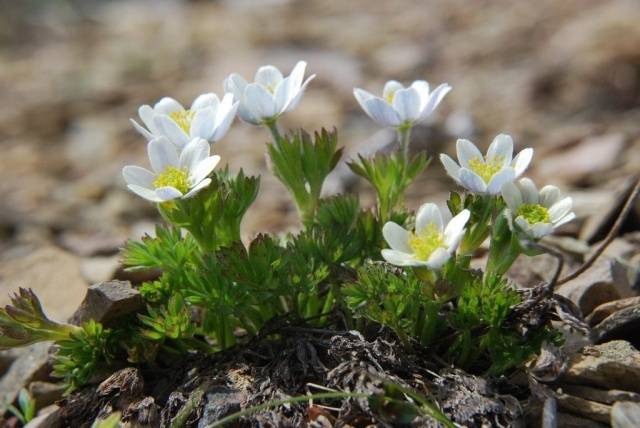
348	268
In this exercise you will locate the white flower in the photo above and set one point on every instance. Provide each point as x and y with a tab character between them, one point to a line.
208	118
536	213
431	245
487	174
270	95
400	106
174	175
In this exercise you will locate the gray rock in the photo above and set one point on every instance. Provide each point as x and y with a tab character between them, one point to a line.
623	324
612	365
600	395
54	275
33	364
606	309
220	402
625	414
598	285
567	420
589	409
49	417
107	301
45	393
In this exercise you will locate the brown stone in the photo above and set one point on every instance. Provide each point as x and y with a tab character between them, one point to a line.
107	301
53	274
588	409
612	365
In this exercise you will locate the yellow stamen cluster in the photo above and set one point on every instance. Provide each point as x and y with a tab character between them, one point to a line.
426	242
390	96
173	177
183	119
533	213
486	170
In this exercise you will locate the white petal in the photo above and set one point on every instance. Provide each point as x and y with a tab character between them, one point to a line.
438	258
380	111
539	230
564	220
167	105
455	229
162	154
529	191
224	121
511	195
259	102
472	181
268	76
146	134
452	168
362	97
297	75
193	153
396	236
501	146
467	151
399	258
145	193
560	209
497	181
407	103
235	84
549	195
204	183
296	96
434	100
168	193
171	130
428	214
203	169
203	124
138	176
206	100
422	86
281	95
522	160
147	114
390	88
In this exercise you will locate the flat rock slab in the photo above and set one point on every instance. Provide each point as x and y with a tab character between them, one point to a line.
33	364
623	324
52	273
612	365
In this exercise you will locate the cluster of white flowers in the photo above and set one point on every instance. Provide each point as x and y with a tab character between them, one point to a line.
179	153
179	138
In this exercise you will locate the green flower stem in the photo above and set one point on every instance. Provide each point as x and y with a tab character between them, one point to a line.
272	125
404	137
505	247
479	232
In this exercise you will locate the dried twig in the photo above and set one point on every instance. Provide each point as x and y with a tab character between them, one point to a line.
610	236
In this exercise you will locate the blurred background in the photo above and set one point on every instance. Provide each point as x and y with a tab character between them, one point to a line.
561	77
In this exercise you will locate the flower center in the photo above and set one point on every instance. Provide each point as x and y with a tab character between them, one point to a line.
173	177
426	242
487	169
390	96
533	213
183	119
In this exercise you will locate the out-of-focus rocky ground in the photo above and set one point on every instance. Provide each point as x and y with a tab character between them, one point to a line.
561	77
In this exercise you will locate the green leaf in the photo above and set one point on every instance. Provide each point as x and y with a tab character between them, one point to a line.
302	164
